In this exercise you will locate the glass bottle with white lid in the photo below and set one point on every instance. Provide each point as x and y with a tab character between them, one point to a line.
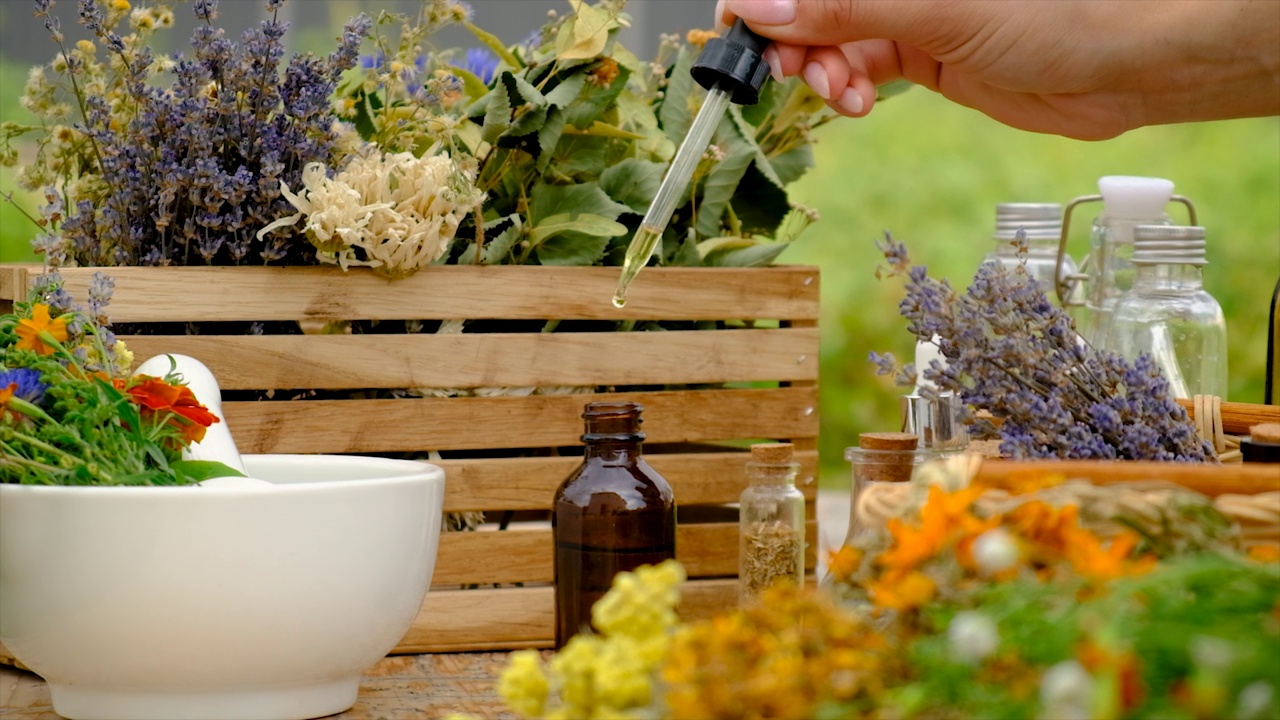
1169	314
1108	271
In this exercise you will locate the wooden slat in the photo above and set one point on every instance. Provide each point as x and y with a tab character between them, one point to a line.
14	279
331	362
528	483
1237	418
420	424
1208	479
451	292
458	620
524	555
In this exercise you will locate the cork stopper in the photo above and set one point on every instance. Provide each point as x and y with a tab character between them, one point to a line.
772	453
1265	433
888	441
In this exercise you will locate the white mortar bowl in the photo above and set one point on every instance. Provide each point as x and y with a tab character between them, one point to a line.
218	603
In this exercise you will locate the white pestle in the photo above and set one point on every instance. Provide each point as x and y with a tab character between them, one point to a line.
217	445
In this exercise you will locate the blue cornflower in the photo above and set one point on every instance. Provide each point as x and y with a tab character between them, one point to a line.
25	384
482	63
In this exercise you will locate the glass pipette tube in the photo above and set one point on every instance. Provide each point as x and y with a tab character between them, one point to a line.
672	190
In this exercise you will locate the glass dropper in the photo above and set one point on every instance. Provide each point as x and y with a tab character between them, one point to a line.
732	69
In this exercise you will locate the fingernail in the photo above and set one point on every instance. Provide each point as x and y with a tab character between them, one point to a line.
775	63
816	76
766	12
720	26
851	101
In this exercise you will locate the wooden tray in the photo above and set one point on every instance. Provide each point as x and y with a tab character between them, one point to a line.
492	589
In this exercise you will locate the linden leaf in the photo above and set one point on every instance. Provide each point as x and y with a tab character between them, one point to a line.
584	35
679	97
497	116
599	129
567	91
595	225
550	200
499	247
548	137
756	254
724	178
594	100
633	182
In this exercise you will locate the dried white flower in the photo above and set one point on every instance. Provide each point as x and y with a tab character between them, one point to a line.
395	213
1065	691
995	551
971	637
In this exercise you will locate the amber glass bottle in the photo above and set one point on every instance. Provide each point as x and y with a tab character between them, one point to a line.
613	513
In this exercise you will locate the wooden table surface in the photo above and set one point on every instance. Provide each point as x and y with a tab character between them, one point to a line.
404	687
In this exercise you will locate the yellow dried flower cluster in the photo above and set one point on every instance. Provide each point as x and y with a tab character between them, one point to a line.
609	675
395	213
782	657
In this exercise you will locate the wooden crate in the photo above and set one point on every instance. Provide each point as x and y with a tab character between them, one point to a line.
755	383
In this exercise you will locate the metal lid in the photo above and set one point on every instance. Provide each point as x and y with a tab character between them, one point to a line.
1169	244
1041	221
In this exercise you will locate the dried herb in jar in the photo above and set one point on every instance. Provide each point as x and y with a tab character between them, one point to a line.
771	512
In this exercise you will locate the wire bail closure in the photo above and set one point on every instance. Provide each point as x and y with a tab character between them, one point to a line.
1065	285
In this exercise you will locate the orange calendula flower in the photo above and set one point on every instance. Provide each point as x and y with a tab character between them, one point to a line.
1265	553
6	393
156	395
944	518
843	563
1089	558
30	330
902	591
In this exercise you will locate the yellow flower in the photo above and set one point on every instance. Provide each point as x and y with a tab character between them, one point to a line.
699	38
523	685
120	5
86	47
124	357
622	676
39	332
575	664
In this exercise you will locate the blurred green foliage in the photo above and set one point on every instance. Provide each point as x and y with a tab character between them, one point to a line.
931	173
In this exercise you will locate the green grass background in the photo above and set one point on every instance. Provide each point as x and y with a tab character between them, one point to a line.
931	173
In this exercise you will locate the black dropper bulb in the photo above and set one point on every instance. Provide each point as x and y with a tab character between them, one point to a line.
734	63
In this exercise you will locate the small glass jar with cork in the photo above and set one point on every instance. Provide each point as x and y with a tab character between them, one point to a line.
771	522
881	459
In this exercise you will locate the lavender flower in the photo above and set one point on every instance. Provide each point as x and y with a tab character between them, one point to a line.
1011	352
187	173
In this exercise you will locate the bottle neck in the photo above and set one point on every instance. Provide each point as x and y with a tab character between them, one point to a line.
1172	277
768	474
613	451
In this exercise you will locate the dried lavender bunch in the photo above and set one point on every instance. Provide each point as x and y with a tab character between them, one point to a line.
150	160
1011	352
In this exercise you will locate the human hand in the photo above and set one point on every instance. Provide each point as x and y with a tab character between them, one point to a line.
1089	70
